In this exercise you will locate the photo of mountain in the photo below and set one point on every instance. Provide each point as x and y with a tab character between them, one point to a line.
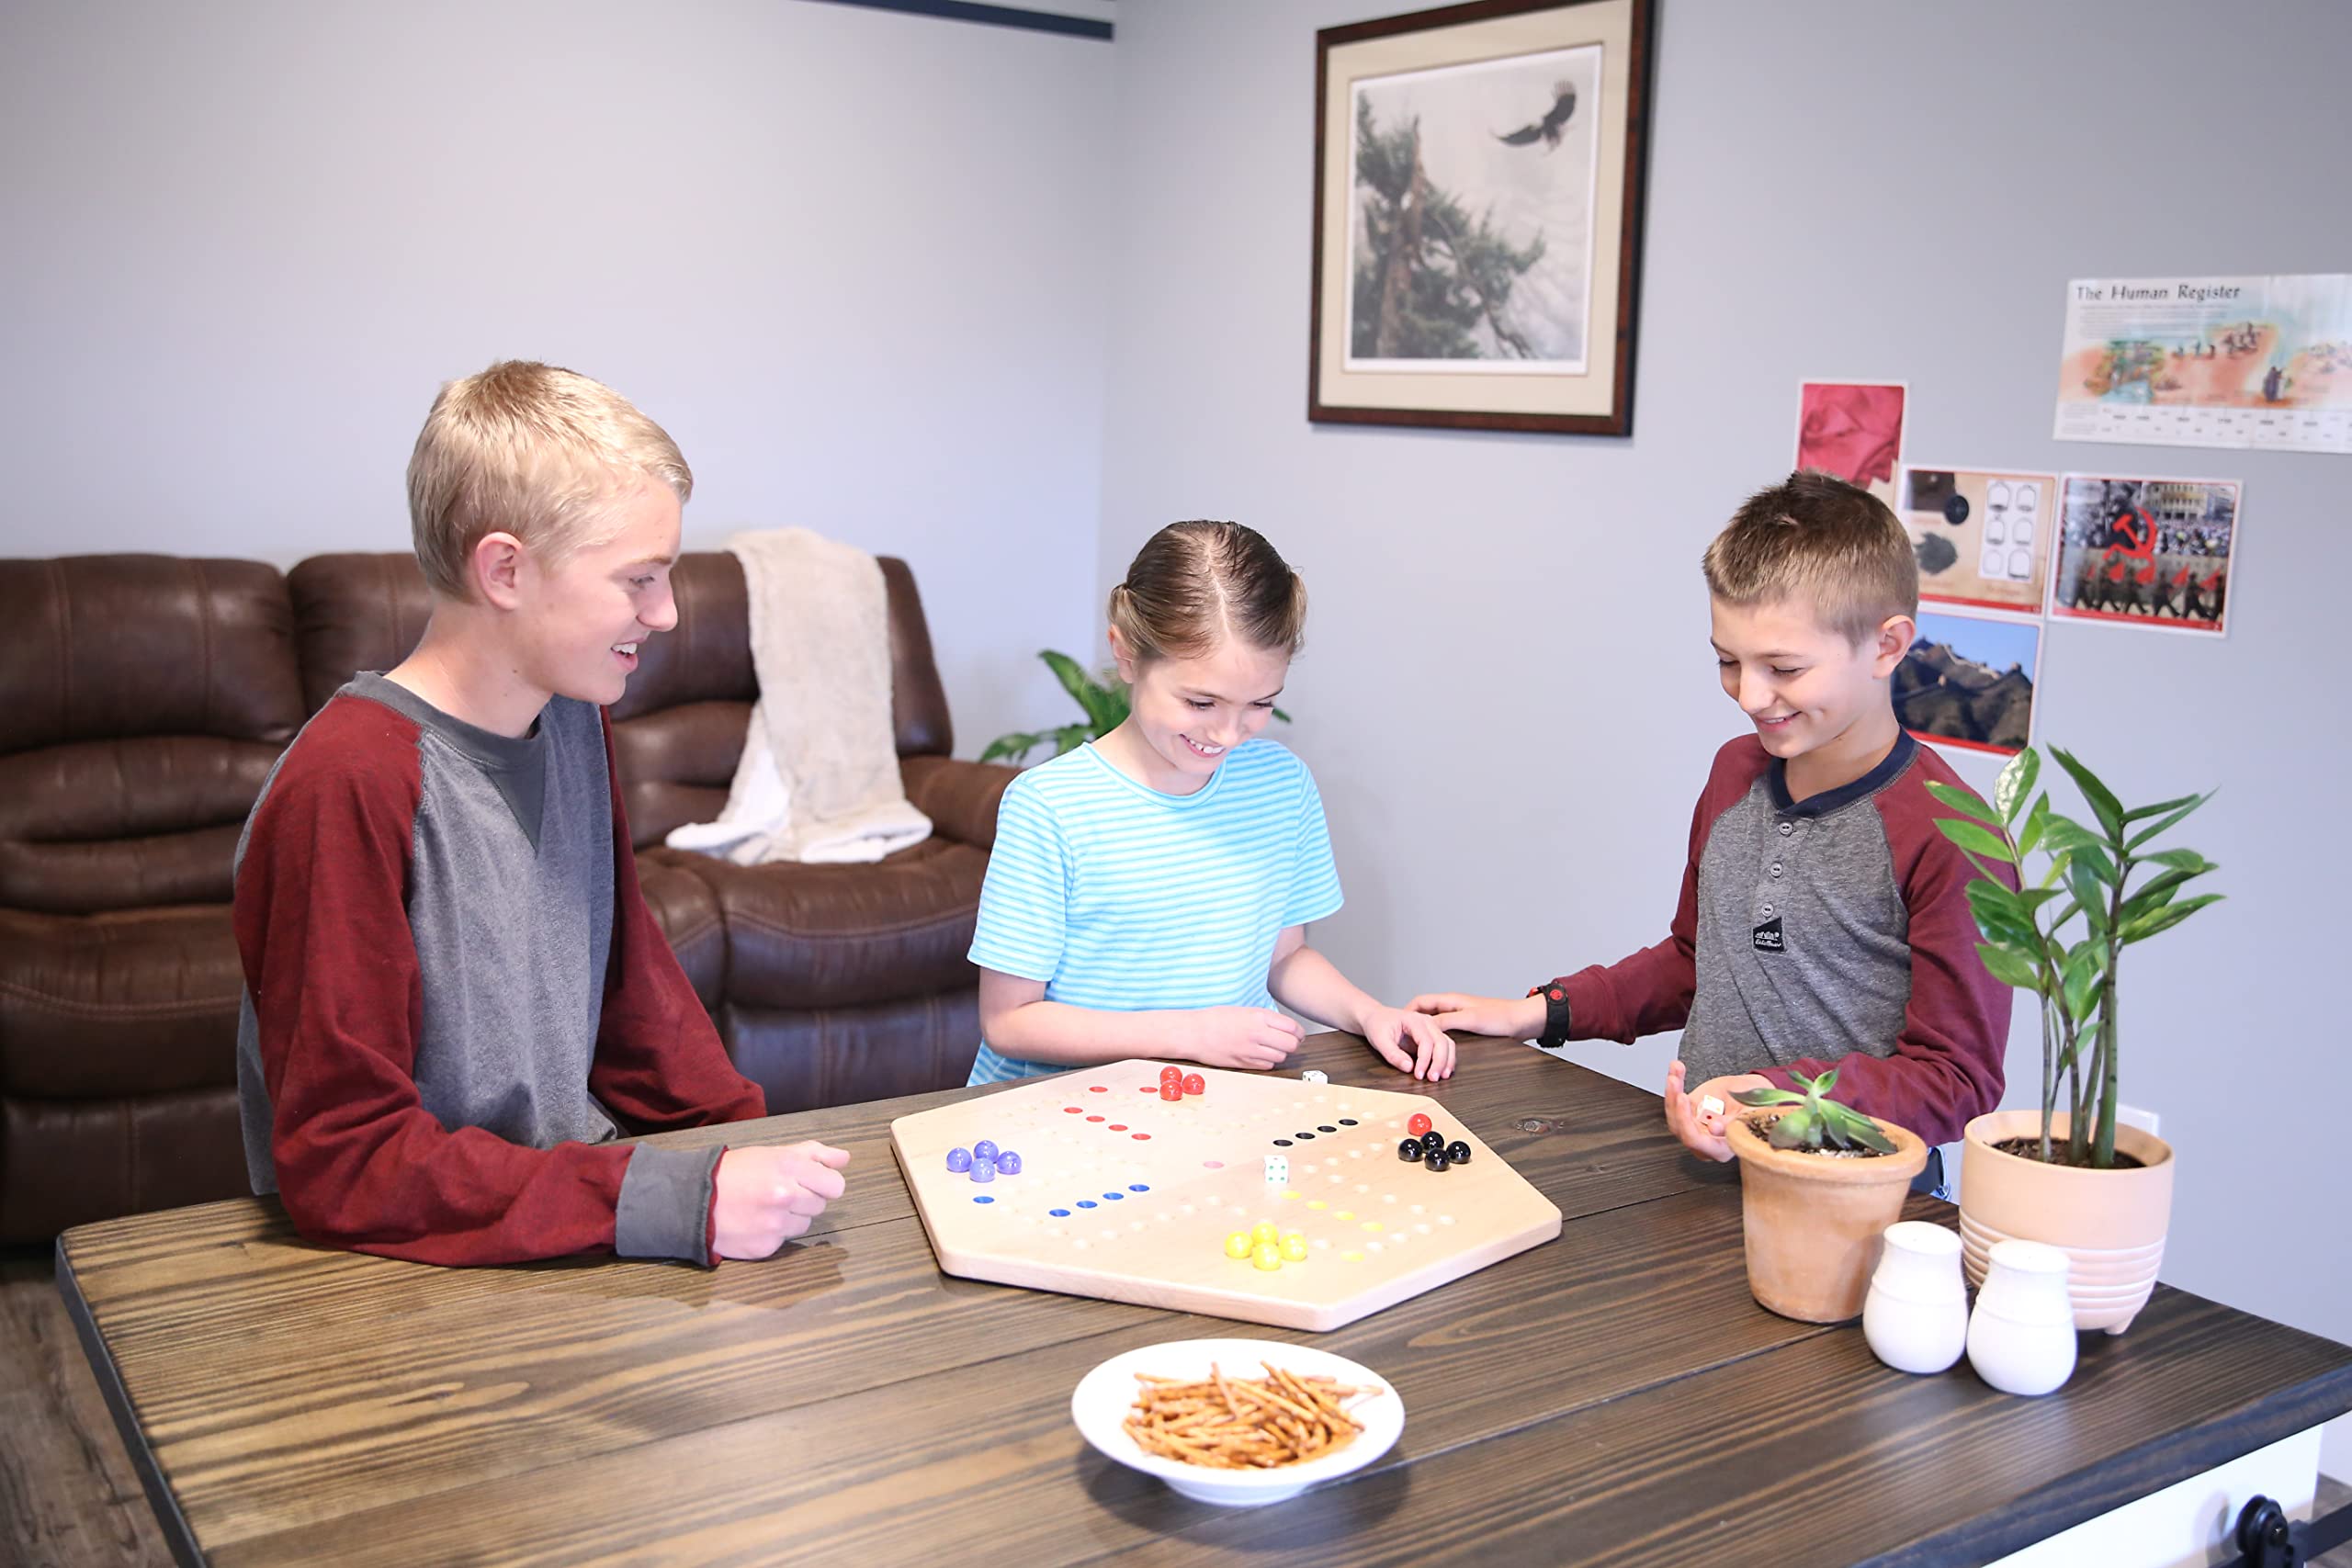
1969	681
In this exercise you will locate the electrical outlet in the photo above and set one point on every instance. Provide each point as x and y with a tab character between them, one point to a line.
2133	1116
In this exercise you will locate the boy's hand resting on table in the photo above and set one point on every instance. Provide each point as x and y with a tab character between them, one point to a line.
1409	1041
1700	1129
1505	1018
765	1197
1252	1039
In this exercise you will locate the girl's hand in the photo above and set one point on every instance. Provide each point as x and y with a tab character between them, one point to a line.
1411	1041
1505	1018
1252	1038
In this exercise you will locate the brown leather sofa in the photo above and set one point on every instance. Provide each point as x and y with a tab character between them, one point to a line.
141	708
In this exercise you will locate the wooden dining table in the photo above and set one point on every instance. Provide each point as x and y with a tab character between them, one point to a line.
1613	1396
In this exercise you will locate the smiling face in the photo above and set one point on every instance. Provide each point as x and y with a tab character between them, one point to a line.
1809	691
1187	715
582	618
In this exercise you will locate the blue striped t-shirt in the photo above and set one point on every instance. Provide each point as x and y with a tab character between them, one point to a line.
1125	899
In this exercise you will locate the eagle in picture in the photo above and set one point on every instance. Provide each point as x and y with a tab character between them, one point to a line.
1548	129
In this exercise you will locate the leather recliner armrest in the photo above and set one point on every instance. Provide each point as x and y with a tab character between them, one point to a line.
959	797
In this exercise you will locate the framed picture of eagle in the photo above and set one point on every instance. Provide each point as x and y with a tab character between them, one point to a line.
1478	179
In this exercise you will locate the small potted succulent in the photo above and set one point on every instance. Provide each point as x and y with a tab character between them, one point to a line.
1819	1184
2069	1173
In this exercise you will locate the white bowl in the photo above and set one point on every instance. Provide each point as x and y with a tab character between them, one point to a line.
1105	1396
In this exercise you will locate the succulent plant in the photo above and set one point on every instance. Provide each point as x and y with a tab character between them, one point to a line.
1814	1119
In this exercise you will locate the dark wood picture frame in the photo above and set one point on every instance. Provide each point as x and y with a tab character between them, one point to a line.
1597	399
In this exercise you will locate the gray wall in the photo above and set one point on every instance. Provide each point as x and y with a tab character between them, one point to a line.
1507	695
852	261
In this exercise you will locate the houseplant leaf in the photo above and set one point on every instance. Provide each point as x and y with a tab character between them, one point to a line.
2016	782
2145	834
2141	813
1964	800
1014	746
1083	689
2104	806
2010	967
1976	840
2189	861
1070	737
2036	821
2166	917
2000	914
2063	835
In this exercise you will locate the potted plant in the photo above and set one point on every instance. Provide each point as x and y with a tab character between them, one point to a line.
1819	1183
2068	1174
1103	697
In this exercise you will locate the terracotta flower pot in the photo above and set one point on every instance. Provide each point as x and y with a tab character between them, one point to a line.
1812	1223
2111	1223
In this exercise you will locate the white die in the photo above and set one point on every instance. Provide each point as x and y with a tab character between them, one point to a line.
1311	1076
1278	1167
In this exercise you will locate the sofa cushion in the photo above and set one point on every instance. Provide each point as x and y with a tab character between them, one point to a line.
142	702
821	936
107	647
67	1163
687	911
354	612
843	1055
139	1002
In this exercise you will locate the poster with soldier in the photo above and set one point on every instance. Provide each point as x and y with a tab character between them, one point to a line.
2145	552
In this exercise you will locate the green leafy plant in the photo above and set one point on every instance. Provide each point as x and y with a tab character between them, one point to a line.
1816	1118
1101	696
2085	885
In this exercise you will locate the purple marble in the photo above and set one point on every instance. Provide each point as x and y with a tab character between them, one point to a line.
959	1159
984	1170
983	1150
1007	1163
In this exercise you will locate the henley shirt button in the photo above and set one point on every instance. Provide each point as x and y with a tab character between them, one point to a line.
1768	911
1776	868
1787	827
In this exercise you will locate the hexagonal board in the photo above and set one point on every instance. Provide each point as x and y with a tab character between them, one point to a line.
1129	1197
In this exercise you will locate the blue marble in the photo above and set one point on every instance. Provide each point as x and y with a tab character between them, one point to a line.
984	1170
959	1159
1007	1163
984	1149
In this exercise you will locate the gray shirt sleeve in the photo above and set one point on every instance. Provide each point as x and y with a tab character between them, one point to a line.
664	1210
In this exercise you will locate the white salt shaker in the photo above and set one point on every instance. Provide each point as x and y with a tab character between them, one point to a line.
1916	1317
2021	1336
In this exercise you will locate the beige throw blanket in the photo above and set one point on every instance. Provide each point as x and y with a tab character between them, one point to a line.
818	780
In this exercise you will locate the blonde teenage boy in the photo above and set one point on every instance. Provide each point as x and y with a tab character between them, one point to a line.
455	995
1822	921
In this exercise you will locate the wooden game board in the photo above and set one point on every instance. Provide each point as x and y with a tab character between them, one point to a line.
1129	1197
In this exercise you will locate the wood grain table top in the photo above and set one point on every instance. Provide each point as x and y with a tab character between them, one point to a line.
1611	1396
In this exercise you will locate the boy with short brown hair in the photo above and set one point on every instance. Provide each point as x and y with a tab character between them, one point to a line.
1824	921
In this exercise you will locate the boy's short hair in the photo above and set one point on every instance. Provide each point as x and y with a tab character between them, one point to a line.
536	450
1814	537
